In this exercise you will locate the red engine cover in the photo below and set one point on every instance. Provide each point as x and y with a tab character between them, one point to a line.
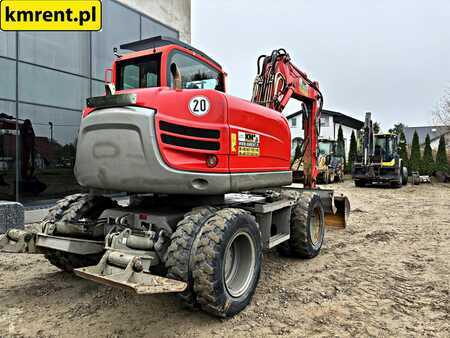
244	136
247	121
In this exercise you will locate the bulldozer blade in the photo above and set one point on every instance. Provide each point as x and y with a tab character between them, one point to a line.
338	215
139	282
18	241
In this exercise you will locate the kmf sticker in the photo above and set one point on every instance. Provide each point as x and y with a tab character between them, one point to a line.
248	144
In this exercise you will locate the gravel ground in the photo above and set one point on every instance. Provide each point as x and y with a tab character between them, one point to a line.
386	274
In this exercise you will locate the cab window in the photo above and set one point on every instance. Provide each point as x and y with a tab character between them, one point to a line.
194	73
139	73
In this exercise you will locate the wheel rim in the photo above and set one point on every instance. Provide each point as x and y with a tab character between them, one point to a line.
239	264
315	227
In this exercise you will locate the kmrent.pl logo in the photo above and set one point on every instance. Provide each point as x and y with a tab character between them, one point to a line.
50	15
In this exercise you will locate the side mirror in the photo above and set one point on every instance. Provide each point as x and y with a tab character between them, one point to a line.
110	88
176	74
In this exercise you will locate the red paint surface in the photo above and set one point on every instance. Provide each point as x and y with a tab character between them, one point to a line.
227	114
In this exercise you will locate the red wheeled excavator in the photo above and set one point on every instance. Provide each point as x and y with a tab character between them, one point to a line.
207	173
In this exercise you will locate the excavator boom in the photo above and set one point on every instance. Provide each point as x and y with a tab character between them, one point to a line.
277	81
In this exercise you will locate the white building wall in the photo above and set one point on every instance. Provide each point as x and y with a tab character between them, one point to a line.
435	143
296	127
327	127
173	13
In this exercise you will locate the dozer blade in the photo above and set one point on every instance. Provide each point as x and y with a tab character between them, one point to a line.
128	278
18	241
338	215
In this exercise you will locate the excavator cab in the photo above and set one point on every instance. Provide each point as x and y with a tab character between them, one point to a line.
386	147
331	166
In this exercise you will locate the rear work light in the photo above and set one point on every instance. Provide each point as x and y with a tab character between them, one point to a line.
212	161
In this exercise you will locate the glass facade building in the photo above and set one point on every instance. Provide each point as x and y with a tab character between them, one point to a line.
45	80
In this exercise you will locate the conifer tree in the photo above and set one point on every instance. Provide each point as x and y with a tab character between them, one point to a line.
427	160
403	152
352	153
340	147
415	160
442	156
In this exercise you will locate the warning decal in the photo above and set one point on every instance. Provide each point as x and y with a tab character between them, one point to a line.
248	144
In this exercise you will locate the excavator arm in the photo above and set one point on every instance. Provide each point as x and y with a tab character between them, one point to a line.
277	81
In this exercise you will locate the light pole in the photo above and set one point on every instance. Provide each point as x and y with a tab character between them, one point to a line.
51	131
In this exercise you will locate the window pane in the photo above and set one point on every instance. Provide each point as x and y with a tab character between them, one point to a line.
194	74
65	122
67	51
7	151
8	44
120	25
7	79
142	72
130	76
98	88
152	28
8	107
324	121
52	144
60	89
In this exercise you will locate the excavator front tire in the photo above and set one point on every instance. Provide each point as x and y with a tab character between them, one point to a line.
307	228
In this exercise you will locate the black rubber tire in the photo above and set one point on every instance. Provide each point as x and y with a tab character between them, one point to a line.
404	172
332	178
182	247
75	207
68	261
78	206
360	183
209	284
300	244
399	183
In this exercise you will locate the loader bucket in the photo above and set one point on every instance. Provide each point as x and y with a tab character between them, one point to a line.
338	215
129	278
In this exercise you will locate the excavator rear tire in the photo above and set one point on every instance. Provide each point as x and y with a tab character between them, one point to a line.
73	208
183	245
227	262
307	228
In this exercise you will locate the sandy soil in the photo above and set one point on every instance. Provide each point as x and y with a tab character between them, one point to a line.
387	274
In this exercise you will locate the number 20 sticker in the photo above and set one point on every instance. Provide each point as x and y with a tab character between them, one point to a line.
199	105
